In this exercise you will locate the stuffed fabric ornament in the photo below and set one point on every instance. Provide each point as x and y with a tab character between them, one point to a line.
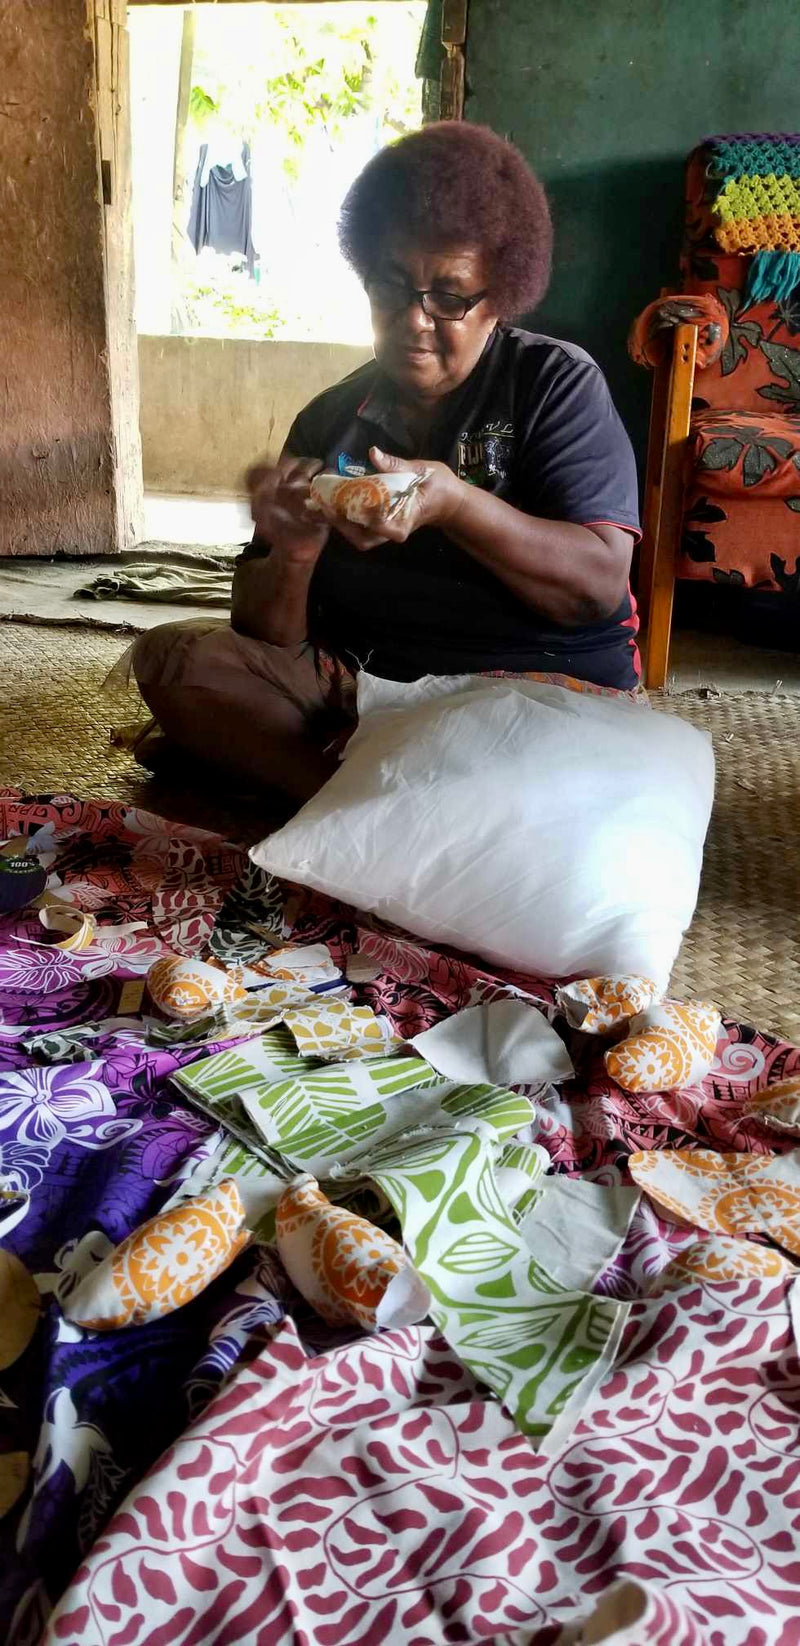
342	1265
165	1263
670	1045
597	1005
184	989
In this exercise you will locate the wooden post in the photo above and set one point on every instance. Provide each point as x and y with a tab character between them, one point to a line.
112	82
454	39
180	186
70	470
653	493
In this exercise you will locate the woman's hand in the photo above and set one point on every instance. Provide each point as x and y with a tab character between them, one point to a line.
435	501
278	498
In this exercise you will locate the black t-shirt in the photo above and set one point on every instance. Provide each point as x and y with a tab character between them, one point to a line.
534	423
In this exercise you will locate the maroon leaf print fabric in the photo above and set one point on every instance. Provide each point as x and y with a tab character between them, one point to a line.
373	1494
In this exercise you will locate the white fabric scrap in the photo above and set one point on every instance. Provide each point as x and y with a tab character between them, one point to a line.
577	1227
505	1043
311	958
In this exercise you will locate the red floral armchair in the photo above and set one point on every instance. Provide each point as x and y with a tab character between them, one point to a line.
722	494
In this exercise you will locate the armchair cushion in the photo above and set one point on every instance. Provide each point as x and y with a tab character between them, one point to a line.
740	521
744	455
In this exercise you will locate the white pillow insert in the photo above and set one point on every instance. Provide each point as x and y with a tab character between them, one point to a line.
556	832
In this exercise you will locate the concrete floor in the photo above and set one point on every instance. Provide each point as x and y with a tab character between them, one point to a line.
699	660
204	520
722	663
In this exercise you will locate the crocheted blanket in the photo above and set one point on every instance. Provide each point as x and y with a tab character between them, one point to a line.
756	192
754	202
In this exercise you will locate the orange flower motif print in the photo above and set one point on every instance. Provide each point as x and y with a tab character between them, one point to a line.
779	1105
163	1264
719	1260
342	1265
727	1194
597	1004
184	989
670	1045
361	500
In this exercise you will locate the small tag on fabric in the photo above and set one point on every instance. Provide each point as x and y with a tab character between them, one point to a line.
130	997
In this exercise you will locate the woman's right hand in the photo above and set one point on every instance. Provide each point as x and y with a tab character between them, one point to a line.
278	497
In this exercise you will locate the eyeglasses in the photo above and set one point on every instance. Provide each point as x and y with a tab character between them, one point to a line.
394	295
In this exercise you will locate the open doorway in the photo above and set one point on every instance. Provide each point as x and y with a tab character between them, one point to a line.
249	122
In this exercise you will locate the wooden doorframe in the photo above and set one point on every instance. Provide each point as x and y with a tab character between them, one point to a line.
108	23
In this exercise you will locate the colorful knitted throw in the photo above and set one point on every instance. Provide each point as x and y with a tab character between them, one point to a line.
754	196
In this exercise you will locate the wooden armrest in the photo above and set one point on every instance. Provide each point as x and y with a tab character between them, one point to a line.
670	415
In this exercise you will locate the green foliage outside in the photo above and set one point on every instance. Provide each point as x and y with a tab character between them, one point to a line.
301	68
215	307
292	75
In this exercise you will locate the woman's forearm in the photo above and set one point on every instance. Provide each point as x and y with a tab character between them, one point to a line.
270	598
572	574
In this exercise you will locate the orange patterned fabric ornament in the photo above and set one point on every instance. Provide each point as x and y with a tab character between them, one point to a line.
597	1004
184	989
719	1259
163	1264
672	1044
19	1308
342	1265
365	498
732	1194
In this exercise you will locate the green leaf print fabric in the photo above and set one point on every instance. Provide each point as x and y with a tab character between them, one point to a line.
434	1148
537	1345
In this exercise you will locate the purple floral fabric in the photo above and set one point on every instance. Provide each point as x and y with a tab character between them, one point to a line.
89	1149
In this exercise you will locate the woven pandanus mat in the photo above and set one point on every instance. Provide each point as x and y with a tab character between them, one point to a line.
742	950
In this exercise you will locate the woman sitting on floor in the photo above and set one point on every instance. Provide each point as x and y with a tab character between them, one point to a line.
512	555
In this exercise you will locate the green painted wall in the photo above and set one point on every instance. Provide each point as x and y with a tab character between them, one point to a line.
606	98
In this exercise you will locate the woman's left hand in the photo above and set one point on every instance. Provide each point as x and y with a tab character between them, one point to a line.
435	501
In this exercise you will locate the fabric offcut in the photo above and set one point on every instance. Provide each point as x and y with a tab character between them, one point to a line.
433	1148
539	1346
575	1227
164	584
318	1117
719	1259
778	1106
506	1041
733	1194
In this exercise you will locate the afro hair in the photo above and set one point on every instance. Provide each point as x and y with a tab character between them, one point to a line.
455	184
